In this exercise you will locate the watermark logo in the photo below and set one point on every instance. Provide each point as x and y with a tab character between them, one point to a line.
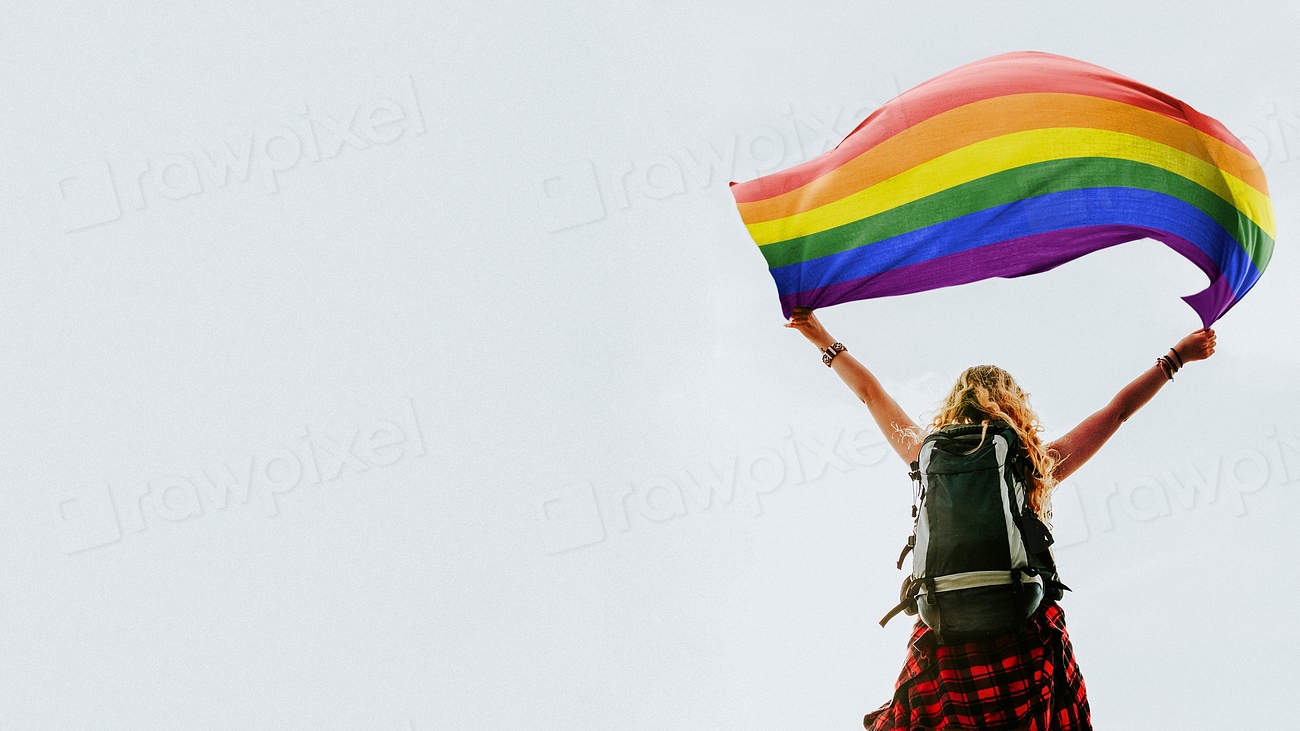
576	515
97	514
571	194
1273	139
93	193
85	518
570	517
583	192
1223	481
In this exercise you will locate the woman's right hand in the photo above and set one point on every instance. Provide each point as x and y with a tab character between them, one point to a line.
807	323
1197	346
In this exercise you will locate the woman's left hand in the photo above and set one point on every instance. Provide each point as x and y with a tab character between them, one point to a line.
807	323
1197	346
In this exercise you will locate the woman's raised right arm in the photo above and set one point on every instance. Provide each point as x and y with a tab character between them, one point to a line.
1077	447
889	416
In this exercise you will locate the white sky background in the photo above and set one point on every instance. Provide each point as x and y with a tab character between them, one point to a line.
529	550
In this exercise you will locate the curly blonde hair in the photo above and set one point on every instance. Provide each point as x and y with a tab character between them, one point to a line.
987	393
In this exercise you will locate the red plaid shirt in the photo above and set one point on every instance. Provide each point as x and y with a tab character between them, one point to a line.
1028	680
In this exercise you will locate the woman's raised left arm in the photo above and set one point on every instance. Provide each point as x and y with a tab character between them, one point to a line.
1083	441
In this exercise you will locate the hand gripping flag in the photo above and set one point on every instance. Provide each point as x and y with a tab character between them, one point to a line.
1011	166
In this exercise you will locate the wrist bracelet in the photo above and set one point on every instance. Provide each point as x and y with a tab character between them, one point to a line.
1178	357
829	354
1166	365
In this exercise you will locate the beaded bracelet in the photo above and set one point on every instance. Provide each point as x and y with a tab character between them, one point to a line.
1167	365
829	354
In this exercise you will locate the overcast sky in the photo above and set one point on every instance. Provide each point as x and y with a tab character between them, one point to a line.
407	366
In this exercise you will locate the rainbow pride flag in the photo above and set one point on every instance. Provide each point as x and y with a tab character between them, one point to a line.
1010	166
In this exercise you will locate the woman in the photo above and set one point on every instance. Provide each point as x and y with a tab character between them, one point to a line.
1024	680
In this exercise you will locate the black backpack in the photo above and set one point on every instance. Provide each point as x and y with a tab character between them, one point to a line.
982	561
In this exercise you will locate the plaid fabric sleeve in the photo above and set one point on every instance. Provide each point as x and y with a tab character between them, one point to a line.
1028	680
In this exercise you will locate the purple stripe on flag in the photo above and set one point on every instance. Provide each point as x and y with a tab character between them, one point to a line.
1007	259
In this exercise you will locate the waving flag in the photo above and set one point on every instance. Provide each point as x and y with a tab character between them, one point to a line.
1011	166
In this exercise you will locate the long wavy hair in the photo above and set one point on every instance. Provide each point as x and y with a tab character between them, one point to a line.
987	393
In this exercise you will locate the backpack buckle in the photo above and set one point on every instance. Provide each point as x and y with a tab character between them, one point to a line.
911	543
